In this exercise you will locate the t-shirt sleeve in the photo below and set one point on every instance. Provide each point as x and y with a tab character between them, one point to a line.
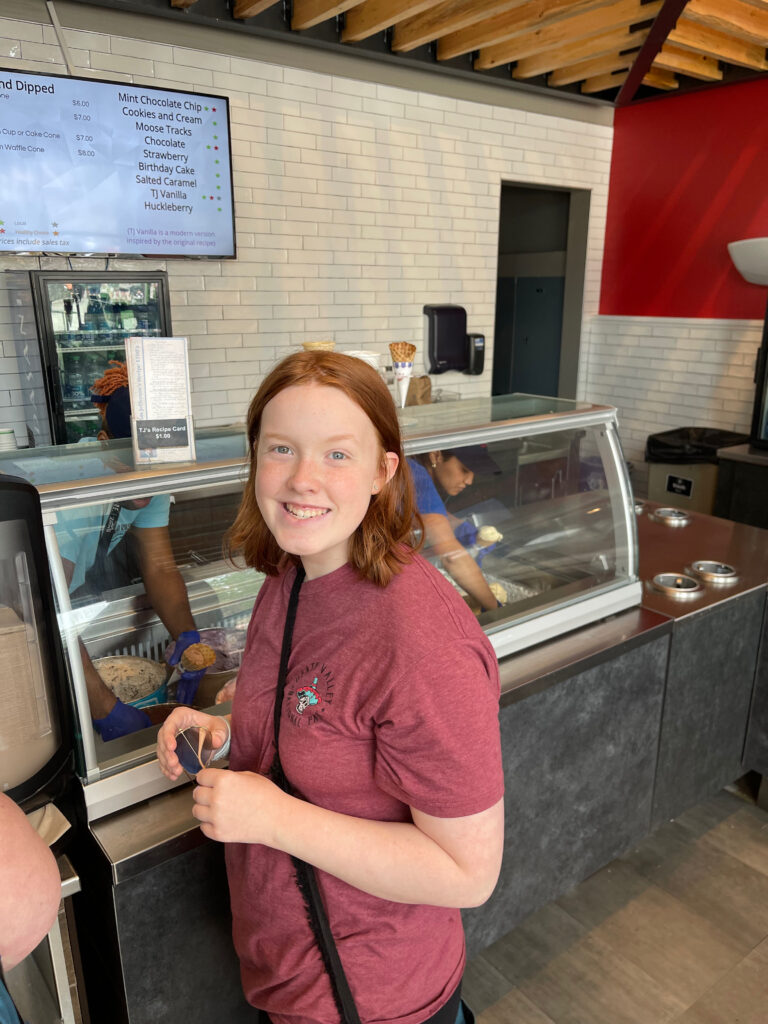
438	747
428	501
156	513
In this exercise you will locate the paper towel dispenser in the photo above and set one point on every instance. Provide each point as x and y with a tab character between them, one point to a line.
447	344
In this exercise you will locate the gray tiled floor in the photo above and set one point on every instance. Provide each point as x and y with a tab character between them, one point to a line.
675	931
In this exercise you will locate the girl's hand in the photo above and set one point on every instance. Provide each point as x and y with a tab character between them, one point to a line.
237	807
182	718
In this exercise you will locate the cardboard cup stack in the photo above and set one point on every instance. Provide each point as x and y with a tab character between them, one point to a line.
402	353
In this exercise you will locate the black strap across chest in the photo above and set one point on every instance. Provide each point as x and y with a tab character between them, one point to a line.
306	879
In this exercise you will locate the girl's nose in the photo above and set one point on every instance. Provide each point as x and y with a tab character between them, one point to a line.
304	475
469	476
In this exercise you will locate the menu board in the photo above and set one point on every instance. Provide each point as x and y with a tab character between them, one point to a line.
108	168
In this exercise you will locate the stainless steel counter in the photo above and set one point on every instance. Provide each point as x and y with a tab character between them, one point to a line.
673	549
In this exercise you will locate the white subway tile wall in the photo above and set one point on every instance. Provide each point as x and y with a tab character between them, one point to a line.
356	204
663	373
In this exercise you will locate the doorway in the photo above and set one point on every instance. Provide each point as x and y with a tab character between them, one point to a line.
539	290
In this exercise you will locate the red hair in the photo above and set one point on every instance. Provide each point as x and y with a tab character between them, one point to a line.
384	541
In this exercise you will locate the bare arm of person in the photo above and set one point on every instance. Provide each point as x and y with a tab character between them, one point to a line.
164	586
444	862
101	700
30	886
456	560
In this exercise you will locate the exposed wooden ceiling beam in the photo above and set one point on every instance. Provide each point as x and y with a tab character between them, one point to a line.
247	8
307	13
590	68
581	50
665	21
449	16
374	16
535	14
696	65
581	26
731	16
658	79
698	39
602	82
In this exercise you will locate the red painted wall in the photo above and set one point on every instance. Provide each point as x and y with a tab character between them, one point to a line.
688	175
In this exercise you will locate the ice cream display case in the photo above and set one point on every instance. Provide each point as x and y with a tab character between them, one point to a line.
542	514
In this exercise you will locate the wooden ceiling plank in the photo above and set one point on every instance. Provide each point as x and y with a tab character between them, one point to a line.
590	68
663	24
308	13
695	65
449	16
243	8
689	35
577	52
602	82
535	14
658	79
374	16
581	26
731	16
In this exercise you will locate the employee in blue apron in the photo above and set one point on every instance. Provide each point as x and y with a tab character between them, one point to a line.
106	547
437	475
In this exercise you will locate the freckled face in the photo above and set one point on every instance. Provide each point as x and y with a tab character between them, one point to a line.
318	461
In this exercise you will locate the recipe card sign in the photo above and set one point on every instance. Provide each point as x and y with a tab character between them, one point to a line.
161	400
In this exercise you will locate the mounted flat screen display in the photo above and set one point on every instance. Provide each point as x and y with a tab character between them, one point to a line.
104	168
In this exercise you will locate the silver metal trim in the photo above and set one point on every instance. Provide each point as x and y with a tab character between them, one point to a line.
562	620
549	423
72	643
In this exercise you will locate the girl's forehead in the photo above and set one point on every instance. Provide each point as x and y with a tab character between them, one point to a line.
320	400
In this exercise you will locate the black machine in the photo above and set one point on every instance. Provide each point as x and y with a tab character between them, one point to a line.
36	741
758	434
447	344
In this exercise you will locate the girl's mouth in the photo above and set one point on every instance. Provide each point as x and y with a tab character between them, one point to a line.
304	511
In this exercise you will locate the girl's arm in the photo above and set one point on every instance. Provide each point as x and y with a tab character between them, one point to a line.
444	862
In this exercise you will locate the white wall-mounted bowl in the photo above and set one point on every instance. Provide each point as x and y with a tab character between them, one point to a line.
750	257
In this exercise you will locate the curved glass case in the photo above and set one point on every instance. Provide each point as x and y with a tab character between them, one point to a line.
526	506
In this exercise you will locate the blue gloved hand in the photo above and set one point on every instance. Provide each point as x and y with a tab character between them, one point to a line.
466	533
122	719
482	552
187	685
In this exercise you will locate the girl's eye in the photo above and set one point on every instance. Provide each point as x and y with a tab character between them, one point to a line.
338	456
281	449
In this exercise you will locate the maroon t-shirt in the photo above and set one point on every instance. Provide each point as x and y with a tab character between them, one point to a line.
391	701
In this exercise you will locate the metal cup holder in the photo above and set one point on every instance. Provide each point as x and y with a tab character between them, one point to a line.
714	572
671	516
677	584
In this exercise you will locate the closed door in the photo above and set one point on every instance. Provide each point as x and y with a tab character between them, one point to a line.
536	335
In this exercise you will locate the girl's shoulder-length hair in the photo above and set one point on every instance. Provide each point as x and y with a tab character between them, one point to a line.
385	540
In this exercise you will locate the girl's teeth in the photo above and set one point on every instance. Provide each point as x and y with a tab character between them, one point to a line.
305	513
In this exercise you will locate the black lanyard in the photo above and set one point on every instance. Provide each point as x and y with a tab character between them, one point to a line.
306	879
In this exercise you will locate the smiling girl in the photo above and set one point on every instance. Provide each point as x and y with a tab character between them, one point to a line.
388	779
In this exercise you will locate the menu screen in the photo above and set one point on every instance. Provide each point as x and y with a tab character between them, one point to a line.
106	168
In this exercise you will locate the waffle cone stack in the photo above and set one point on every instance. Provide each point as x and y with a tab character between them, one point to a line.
402	351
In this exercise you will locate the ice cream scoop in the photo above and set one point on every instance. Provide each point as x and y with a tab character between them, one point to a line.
489	535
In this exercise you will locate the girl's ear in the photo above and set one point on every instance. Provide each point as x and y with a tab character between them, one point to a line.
102	436
435	457
387	470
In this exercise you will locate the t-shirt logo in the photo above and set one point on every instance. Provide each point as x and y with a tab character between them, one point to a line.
309	694
308	697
